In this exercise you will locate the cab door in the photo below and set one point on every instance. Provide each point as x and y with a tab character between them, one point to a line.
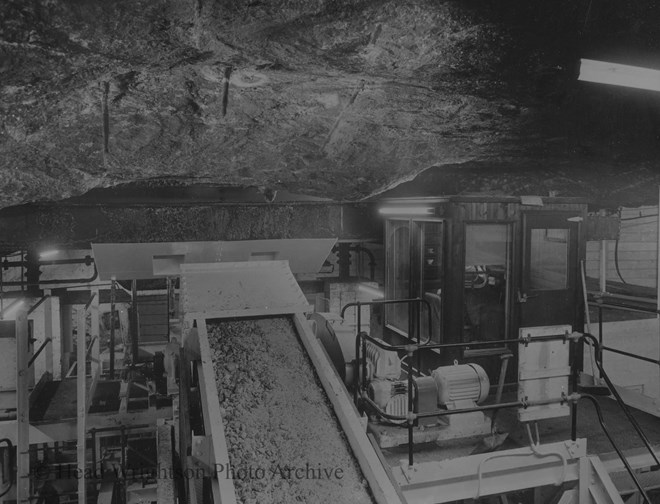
550	281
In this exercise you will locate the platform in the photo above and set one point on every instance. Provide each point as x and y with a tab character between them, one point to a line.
551	430
390	436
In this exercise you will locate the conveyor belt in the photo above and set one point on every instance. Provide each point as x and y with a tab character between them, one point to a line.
285	443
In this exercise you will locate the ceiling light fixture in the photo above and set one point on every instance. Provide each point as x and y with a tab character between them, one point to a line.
407	210
48	254
619	75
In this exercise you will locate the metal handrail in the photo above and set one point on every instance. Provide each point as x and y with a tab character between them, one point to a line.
447	412
599	414
411	416
359	304
629	354
467	344
36	354
619	400
363	360
361	367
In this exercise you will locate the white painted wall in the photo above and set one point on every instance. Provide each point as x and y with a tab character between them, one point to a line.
641	337
638	264
638	248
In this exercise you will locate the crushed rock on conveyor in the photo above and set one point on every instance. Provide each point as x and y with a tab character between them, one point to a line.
285	444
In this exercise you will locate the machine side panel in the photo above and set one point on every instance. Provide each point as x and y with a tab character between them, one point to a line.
381	486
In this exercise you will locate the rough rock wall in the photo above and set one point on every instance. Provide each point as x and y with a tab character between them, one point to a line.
326	98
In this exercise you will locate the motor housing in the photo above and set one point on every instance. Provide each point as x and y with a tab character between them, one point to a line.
461	382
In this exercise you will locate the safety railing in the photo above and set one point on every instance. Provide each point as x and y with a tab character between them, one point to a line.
633	421
359	390
361	397
602	303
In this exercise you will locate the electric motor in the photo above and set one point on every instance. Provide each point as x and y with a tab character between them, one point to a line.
391	396
382	363
461	382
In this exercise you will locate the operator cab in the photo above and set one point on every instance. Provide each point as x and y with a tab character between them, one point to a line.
486	266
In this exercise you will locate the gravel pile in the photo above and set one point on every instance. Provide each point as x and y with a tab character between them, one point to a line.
284	441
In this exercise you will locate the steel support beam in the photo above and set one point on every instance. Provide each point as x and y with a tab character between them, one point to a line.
51	331
81	401
22	410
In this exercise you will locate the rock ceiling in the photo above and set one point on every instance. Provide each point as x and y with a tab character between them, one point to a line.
333	98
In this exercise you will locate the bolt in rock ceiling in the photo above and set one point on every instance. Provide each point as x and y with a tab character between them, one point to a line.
333	98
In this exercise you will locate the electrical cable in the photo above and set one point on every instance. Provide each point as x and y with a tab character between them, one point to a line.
616	261
585	297
616	252
534	451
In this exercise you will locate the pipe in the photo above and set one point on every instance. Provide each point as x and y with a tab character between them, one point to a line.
425	346
356	386
418	318
120	427
534	451
488	407
37	304
411	414
396	301
57	281
574	386
504	359
89	303
534	446
364	347
134	330
600	330
628	354
112	329
36	354
93	433
612	306
622	297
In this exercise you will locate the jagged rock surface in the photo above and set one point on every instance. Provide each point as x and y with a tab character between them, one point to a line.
333	98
